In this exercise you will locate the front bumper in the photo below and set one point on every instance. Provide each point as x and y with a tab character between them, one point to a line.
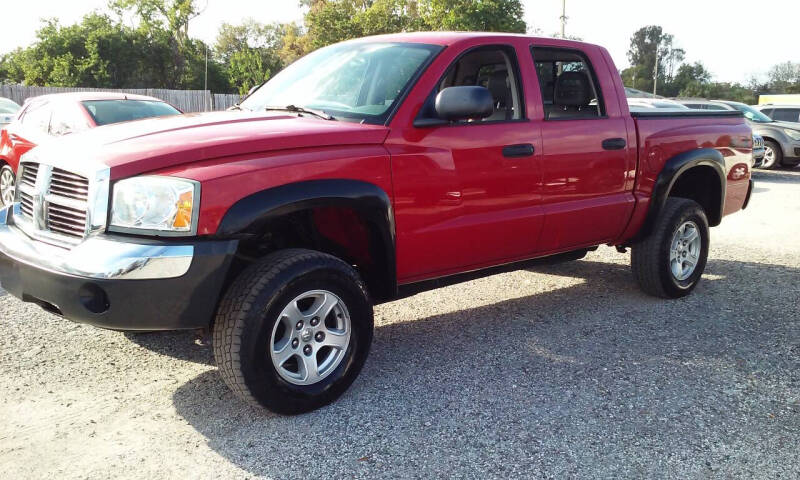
117	282
758	157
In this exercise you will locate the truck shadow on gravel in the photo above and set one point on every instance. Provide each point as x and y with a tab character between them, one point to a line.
595	377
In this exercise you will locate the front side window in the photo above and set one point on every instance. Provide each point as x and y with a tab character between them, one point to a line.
353	80
568	84
494	68
106	112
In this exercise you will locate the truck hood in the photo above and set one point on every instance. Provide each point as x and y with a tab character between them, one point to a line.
137	147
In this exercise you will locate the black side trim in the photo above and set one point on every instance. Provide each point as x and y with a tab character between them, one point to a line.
657	113
672	170
413	288
749	193
250	215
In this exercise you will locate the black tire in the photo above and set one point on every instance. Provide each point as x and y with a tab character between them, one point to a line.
777	157
250	309
650	258
4	171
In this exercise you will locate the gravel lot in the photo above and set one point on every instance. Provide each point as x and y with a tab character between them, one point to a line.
561	371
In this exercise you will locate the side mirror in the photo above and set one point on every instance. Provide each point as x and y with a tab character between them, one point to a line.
464	103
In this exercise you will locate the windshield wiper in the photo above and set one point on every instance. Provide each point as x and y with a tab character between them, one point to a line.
296	109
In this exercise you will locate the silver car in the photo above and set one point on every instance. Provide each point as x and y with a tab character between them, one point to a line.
8	110
781	139
780	113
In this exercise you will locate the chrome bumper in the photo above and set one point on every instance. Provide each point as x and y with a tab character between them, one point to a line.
97	257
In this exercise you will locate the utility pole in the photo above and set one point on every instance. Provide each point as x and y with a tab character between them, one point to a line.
205	82
563	18
655	72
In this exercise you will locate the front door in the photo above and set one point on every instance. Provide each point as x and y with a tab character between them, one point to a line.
466	195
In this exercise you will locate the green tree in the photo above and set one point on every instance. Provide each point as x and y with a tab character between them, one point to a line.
650	45
331	21
246	69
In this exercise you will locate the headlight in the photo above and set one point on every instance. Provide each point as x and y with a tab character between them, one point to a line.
158	205
793	134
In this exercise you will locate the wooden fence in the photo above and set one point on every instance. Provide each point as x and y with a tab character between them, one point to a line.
185	100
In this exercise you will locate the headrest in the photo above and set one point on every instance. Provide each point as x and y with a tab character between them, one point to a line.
573	90
498	86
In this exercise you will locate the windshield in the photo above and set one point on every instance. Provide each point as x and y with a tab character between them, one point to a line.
8	106
353	80
751	113
105	112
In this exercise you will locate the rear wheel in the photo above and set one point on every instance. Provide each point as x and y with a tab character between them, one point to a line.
670	261
293	331
773	155
8	185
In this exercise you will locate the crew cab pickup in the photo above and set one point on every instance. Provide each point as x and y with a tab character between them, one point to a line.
365	172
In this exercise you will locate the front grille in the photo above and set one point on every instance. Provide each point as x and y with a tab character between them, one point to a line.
66	221
26	202
29	174
69	185
758	142
57	196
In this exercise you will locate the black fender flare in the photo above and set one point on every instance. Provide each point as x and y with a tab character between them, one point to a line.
672	171
251	214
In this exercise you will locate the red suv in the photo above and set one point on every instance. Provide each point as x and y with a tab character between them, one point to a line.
43	118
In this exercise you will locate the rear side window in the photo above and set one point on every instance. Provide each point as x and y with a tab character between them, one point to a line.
105	112
568	83
786	114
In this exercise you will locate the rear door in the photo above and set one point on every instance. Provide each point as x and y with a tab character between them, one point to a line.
587	160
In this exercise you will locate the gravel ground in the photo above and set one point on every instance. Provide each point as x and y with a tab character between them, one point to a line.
563	371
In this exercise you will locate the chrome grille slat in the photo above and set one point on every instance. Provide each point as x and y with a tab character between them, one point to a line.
29	173
65	203
69	185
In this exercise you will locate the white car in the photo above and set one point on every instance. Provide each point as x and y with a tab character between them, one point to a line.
660	103
8	110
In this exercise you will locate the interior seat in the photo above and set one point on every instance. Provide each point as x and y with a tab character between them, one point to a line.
572	97
500	88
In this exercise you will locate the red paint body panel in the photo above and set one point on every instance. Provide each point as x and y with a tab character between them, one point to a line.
459	203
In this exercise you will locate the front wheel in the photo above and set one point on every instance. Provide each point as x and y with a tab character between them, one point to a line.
773	155
8	185
669	262
293	331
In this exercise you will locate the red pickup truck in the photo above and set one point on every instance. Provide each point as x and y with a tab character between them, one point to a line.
362	173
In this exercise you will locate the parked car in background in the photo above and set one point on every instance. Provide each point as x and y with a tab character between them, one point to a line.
781	113
661	103
758	151
781	139
364	172
8	110
49	116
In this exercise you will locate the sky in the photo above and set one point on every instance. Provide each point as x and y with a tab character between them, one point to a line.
735	39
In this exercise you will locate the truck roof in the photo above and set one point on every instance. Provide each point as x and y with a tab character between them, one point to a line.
452	38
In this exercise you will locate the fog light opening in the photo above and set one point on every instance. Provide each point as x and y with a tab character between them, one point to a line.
93	298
